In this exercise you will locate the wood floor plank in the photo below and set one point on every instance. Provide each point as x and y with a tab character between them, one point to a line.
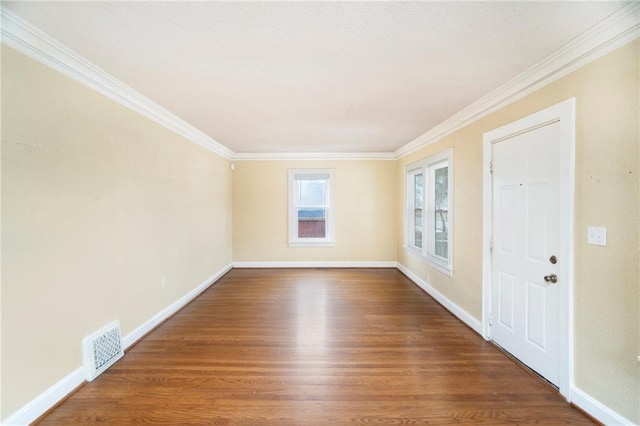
314	347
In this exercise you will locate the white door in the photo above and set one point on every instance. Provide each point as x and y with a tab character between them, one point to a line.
526	237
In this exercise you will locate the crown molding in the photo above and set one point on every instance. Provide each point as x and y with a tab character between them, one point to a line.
610	34
613	32
261	156
29	40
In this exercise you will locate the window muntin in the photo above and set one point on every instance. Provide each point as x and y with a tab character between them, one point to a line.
310	207
428	209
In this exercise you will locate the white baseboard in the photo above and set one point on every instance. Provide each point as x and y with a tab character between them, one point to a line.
578	397
153	322
46	400
456	310
320	264
597	409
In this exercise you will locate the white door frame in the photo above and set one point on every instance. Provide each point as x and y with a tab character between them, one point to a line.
564	113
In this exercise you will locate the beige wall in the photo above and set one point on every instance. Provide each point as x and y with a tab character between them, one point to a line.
365	214
99	204
607	281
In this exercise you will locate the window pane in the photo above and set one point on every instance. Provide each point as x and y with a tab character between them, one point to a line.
311	192
311	211
441	211
312	208
418	203
312	223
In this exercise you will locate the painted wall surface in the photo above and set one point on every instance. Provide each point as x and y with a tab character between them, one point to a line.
365	212
99	205
607	280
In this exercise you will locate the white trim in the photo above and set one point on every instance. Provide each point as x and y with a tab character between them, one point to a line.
564	112
329	204
425	167
487	236
312	244
49	398
26	38
610	34
607	36
430	261
597	409
301	156
167	312
317	264
456	310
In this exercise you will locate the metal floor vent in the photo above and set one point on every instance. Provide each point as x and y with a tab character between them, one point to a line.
102	349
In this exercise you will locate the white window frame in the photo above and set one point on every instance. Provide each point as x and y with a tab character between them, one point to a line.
427	167
294	240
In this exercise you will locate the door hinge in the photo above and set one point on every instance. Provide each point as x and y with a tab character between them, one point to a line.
491	166
491	244
490	320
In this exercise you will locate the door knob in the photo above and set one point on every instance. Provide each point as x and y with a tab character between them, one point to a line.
553	278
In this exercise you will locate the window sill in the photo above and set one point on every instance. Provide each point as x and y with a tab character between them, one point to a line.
435	264
312	243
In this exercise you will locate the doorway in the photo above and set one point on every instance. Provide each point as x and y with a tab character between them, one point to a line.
528	240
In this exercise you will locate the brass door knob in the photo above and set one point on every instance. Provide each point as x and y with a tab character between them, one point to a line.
553	278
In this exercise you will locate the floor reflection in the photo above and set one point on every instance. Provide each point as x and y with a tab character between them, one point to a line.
311	319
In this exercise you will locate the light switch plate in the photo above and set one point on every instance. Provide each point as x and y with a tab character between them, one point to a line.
597	235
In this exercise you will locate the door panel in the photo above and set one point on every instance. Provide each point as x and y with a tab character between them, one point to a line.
526	234
506	300
536	314
536	205
507	234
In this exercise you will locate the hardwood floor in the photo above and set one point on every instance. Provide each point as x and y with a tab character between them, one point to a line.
310	347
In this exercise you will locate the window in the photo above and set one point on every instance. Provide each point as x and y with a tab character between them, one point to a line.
311	207
429	195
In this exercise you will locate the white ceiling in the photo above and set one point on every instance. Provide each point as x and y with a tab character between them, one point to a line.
314	76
